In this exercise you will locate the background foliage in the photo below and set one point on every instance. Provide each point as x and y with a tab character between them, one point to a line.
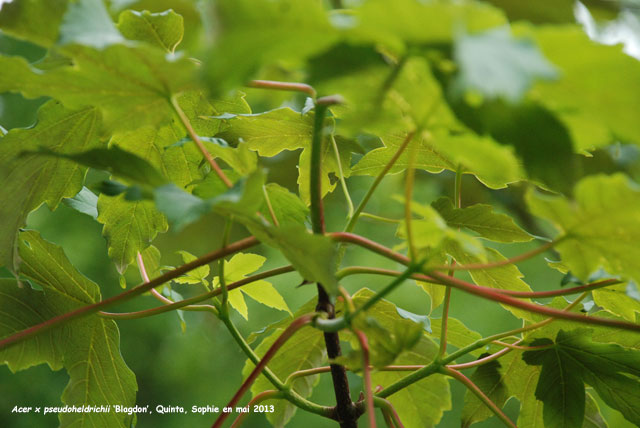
534	109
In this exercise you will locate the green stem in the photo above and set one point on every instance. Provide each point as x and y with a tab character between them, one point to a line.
457	197
390	410
224	300
343	182
478	393
127	295
380	218
317	212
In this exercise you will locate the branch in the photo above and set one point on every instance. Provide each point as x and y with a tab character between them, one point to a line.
481	395
136	291
295	325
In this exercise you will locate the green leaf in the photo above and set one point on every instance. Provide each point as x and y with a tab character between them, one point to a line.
287	207
260	32
458	334
577	97
195	276
85	201
434	152
241	265
305	350
129	227
132	85
573	359
550	11
487	377
495	64
481	219
615	299
87	22
35	20
28	181
507	277
601	229
164	30
88	349
151	259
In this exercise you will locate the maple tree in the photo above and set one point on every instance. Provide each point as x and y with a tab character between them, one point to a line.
509	99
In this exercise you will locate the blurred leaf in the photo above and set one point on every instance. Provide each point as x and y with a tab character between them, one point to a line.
305	350
34	20
487	377
85	201
412	22
496	64
550	11
481	219
601	229
88	349
131	84
239	267
253	33
577	98
87	22
29	180
195	276
151	259
164	30
573	359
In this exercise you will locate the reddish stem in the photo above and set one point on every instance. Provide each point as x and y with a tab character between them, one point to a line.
264	395
283	86
295	325
366	374
484	292
145	278
190	301
136	291
480	394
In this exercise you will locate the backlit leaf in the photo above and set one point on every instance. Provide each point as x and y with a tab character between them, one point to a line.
28	181
164	30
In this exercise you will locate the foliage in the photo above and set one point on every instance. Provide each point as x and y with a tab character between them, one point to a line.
473	136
